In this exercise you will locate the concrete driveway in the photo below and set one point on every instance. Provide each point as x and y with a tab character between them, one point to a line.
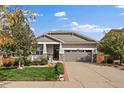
80	75
91	75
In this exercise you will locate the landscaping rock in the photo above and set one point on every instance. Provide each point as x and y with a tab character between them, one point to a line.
61	77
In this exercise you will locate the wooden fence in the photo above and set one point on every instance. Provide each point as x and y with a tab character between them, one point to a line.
100	58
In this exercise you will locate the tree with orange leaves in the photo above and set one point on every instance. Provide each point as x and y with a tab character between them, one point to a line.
16	34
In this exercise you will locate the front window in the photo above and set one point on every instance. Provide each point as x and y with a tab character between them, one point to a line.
39	51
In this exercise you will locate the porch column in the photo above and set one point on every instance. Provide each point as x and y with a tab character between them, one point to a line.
96	51
44	51
92	52
32	57
61	52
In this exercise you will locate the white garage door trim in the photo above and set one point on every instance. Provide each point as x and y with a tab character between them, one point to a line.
79	48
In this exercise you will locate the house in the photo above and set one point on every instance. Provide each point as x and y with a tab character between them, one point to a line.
65	46
112	31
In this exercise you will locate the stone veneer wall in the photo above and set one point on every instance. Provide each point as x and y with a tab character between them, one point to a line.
61	57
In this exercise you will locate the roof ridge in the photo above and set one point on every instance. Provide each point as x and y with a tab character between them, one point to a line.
55	38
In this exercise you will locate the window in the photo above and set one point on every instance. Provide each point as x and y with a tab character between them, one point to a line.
67	50
74	50
39	51
88	50
81	50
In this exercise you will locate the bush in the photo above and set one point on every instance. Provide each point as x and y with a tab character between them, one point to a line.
59	68
27	62
43	61
35	63
109	61
16	62
8	64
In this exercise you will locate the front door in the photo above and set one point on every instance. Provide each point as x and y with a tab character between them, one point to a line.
56	52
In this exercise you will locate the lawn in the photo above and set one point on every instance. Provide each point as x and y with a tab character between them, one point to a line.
29	74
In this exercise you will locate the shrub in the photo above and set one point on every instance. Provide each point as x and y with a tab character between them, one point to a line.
35	62
8	59
59	68
109	61
43	61
7	64
27	62
16	62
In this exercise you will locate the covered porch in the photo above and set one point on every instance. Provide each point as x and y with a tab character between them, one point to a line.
51	50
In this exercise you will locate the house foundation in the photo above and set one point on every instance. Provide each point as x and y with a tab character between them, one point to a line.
44	55
61	57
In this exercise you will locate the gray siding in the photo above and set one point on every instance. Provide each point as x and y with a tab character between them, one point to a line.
79	46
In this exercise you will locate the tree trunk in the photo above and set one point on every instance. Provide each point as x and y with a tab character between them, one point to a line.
19	64
1	61
120	59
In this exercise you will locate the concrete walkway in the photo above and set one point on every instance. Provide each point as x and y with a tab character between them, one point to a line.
80	75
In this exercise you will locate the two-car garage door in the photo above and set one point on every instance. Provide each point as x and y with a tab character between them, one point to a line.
77	55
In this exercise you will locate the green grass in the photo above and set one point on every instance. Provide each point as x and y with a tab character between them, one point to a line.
29	74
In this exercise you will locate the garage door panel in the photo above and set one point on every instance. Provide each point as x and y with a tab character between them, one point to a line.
77	56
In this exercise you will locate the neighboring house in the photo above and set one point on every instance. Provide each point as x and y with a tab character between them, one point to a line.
65	46
113	31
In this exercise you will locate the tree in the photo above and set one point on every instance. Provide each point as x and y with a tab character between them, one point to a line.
17	26
113	44
5	43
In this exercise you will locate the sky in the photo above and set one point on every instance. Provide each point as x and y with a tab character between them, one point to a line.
92	21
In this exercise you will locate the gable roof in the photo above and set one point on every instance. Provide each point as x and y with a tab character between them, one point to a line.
65	37
71	37
113	31
47	38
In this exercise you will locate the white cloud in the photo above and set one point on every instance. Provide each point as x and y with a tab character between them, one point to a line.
87	27
65	18
122	14
119	6
60	14
31	20
36	14
27	12
32	29
73	24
